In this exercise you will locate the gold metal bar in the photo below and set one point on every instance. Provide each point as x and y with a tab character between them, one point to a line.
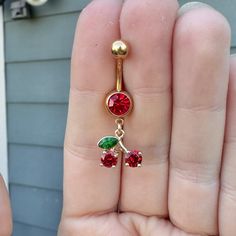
123	147
119	51
119	74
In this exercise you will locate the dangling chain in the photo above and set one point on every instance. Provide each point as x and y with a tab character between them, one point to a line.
120	134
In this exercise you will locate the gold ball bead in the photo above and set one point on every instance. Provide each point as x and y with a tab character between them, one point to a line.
119	49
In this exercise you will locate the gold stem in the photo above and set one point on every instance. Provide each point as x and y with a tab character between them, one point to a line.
119	74
120	134
123	146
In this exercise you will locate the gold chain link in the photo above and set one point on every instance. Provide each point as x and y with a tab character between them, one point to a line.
119	131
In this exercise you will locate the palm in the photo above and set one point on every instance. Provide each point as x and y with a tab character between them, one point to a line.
125	224
177	122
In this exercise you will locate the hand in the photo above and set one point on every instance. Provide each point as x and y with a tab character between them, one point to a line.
5	211
178	76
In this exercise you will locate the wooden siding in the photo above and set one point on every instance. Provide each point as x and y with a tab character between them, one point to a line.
49	84
53	7
41	38
21	229
36	206
40	124
34	165
37	76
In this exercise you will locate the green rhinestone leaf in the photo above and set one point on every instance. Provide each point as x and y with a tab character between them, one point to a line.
108	142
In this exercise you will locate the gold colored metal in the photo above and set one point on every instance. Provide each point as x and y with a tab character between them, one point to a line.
119	122
120	134
123	147
120	49
120	52
119	131
119	75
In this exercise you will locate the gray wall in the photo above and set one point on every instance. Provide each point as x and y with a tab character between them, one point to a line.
37	74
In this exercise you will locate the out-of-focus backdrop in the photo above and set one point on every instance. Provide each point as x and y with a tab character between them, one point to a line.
37	66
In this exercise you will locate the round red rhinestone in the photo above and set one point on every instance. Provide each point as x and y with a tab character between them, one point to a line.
133	158
109	159
119	103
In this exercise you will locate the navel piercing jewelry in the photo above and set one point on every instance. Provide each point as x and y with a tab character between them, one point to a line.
119	104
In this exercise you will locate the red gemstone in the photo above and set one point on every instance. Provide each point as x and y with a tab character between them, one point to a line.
119	104
133	158
109	159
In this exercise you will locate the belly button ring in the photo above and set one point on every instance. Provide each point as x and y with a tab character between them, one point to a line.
119	104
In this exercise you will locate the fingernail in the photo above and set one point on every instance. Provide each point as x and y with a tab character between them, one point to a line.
190	6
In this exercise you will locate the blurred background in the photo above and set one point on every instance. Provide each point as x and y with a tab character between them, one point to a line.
38	43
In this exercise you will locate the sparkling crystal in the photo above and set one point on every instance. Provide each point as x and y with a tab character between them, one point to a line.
109	159
119	104
133	158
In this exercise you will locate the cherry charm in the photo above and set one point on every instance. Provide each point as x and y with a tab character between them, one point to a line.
109	159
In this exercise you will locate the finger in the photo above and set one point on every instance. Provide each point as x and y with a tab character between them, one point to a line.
5	210
227	210
87	187
147	26
201	71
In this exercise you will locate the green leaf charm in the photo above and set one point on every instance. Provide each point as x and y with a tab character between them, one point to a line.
108	142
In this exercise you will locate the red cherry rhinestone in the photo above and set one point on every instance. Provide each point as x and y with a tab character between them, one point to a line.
109	159
133	158
119	104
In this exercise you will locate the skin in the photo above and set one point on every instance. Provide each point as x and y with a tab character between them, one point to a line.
5	211
183	83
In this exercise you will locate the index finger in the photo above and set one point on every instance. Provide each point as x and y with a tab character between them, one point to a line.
89	189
